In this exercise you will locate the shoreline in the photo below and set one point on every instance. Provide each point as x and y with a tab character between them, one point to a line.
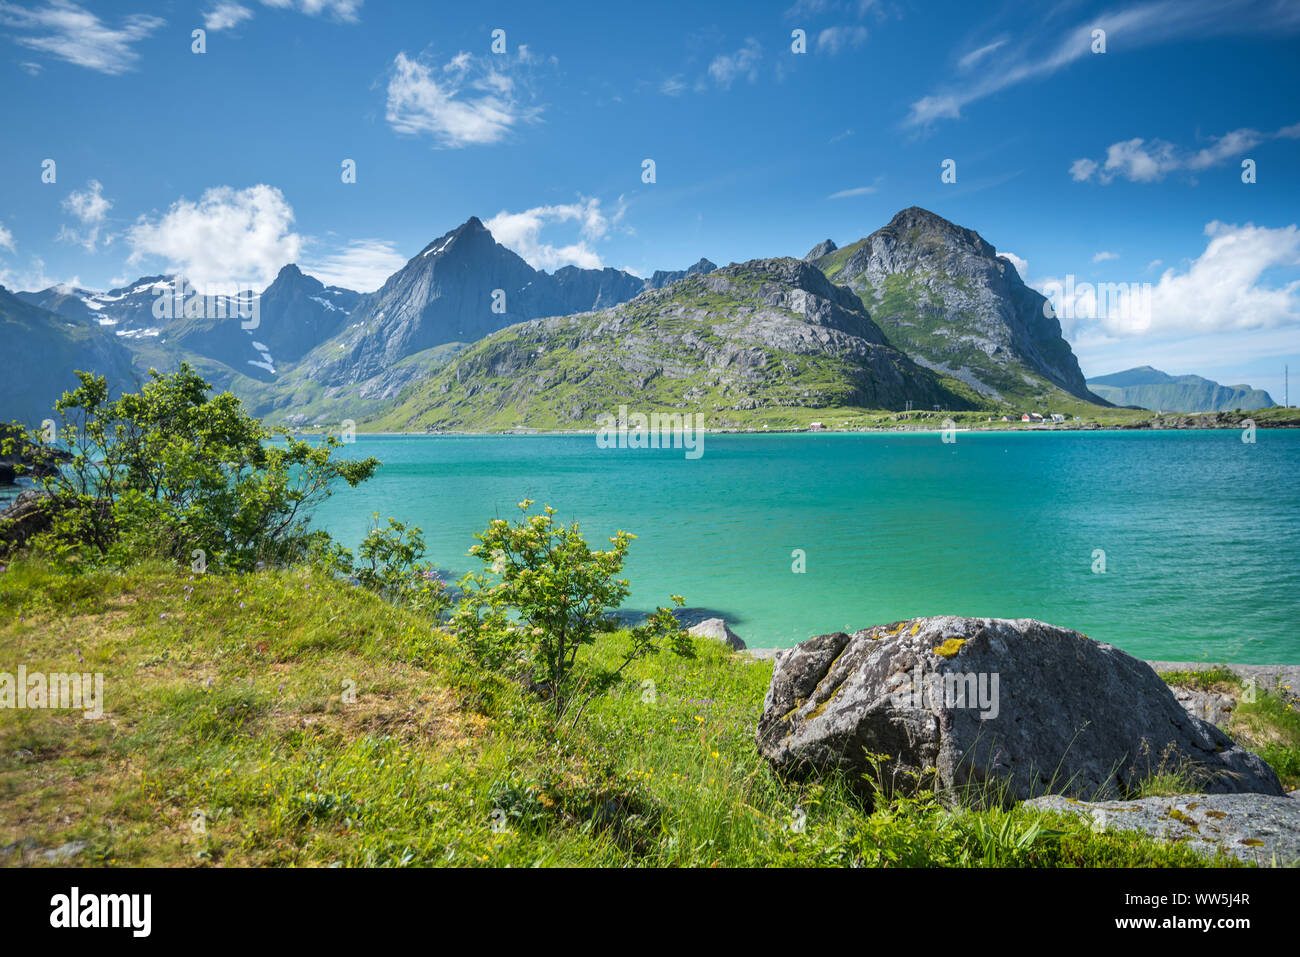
866	430
1269	676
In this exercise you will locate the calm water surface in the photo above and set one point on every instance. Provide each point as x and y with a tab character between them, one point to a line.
1201	532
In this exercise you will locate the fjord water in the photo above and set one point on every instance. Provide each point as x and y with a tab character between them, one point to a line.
1200	530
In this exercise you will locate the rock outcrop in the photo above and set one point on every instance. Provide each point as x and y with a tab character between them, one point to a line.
945	297
992	710
1259	828
717	629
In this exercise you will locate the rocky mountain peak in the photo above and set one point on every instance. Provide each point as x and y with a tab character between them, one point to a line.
823	248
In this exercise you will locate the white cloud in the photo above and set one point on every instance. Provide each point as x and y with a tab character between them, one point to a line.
362	265
855	191
1104	255
726	68
345	10
6	238
470	101
1221	291
1148	161
522	233
70	32
1081	169
226	15
90	208
834	39
228	237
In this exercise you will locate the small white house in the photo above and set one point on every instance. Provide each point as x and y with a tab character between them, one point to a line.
815	426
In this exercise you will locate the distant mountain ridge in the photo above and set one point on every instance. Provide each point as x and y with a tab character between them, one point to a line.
43	349
319	352
1149	388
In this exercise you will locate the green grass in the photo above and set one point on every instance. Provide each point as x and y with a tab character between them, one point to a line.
229	738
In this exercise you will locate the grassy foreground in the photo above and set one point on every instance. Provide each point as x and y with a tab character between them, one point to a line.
231	736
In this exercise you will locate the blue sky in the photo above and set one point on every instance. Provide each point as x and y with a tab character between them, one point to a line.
1118	167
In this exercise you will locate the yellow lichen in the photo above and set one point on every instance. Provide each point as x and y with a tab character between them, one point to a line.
915	628
950	647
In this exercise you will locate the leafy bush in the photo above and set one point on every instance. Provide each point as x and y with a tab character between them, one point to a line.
543	596
391	564
171	471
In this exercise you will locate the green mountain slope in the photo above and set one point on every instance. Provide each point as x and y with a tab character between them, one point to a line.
943	295
42	352
769	340
1150	388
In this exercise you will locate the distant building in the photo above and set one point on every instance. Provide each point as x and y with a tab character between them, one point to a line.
1035	417
1057	417
1005	419
1025	417
815	426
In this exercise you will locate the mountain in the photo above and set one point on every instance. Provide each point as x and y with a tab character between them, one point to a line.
127	309
42	350
461	287
298	312
942	295
763	335
1149	388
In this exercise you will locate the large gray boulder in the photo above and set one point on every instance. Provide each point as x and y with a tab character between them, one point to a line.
993	709
717	629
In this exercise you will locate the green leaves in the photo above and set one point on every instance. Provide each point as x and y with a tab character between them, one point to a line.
542	596
170	470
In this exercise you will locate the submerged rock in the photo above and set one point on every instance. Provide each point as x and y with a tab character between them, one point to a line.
1260	828
998	710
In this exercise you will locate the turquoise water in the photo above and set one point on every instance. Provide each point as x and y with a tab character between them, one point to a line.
1201	532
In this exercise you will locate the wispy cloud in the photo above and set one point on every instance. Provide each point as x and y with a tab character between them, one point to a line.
673	86
1140	160
1104	256
834	39
6	238
726	68
469	101
975	56
90	207
363	265
72	33
1045	48
345	10
855	191
224	16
